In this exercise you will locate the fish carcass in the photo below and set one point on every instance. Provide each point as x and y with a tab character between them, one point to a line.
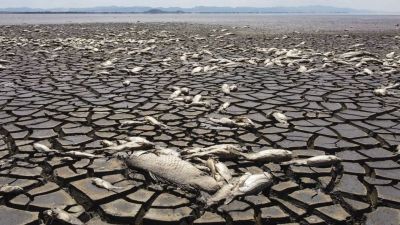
321	160
268	155
105	184
172	170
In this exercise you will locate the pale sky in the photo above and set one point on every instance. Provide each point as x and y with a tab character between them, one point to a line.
374	5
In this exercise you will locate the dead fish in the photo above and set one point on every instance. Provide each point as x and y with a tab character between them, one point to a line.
197	98
105	184
322	160
233	87
224	106
78	154
355	54
244	122
197	70
11	189
225	151
366	71
174	170
42	148
131	144
225	88
128	123
137	69
206	104
62	216
241	121
390	55
155	122
107	143
302	69
185	99
224	171
175	94
383	91
268	155
126	83
250	185
279	117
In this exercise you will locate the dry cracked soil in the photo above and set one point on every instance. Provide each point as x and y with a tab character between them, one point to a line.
58	89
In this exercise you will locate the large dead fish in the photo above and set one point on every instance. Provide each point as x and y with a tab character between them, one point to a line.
223	193
268	155
173	170
321	160
57	214
105	184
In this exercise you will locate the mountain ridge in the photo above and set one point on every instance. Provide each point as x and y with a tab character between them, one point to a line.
197	9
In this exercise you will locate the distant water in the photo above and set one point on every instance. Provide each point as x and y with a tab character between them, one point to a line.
267	21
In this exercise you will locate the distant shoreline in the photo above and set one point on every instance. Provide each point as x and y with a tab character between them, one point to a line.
294	13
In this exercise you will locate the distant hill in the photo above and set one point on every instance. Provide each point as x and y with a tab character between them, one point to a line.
198	9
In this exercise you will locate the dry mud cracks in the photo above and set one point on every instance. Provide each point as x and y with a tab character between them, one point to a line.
58	89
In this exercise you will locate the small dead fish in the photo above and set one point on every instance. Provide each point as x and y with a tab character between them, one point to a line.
105	184
126	83
279	117
224	106
366	71
224	171
302	69
244	122
226	89
132	143
155	122
233	87
11	189
137	69
197	98
197	70
78	154
42	148
268	155
241	121
185	99
175	94
390	55
107	143
61	216
211	165
322	160
128	123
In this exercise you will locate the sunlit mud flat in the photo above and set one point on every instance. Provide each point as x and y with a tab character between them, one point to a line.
198	124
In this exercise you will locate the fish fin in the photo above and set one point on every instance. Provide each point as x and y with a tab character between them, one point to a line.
154	177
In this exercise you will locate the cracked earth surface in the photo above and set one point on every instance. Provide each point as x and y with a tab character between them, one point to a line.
64	99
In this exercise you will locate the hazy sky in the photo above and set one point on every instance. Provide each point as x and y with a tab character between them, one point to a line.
376	5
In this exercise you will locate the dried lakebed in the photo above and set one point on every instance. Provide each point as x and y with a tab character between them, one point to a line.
69	91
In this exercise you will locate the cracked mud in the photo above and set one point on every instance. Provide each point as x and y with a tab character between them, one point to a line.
65	86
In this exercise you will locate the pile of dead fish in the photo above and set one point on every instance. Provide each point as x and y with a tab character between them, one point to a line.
195	169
